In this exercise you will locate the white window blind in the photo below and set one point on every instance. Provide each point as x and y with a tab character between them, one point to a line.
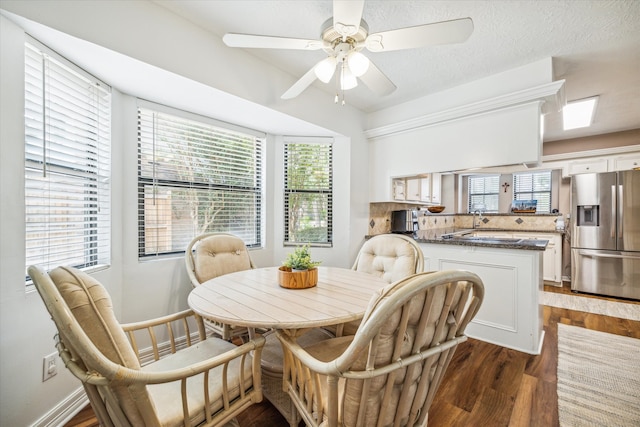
534	186
67	163
308	193
484	190
195	177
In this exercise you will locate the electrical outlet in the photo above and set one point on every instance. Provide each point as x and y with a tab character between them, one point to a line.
49	366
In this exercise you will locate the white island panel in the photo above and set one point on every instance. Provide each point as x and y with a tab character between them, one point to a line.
510	315
501	292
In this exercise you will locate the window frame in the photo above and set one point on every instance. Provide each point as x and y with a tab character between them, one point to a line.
320	191
484	195
532	192
154	182
67	148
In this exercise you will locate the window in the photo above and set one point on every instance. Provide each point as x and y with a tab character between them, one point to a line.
195	176
308	193
67	163
484	190
534	186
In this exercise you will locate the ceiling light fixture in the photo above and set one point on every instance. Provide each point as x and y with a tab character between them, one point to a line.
344	35
579	113
358	63
324	69
347	78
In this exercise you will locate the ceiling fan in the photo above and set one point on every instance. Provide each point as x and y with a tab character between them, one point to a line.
344	36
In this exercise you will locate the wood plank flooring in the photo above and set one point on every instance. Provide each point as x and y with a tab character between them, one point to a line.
485	385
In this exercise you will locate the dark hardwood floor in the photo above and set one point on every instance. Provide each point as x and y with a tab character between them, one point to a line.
485	385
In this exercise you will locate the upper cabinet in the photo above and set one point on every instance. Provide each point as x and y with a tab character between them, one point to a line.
626	163
425	188
398	189
588	166
603	164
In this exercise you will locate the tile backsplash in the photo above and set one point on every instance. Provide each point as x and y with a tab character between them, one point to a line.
380	220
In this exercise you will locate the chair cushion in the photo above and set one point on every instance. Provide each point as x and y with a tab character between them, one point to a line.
218	255
349	390
166	397
90	304
387	257
272	356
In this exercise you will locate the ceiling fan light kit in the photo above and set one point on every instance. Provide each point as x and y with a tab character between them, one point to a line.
344	36
324	69
347	79
358	63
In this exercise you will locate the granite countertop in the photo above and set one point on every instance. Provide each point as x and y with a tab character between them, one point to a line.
523	230
462	237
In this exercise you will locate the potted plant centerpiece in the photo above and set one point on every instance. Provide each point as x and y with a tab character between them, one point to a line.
298	271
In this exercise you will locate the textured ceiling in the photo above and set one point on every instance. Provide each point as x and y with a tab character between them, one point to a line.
595	46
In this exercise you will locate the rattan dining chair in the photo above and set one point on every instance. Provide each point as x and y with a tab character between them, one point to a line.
188	379
389	256
388	372
215	254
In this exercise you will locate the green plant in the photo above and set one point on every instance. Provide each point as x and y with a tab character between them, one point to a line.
300	259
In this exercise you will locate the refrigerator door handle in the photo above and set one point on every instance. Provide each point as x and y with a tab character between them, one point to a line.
612	227
620	211
594	254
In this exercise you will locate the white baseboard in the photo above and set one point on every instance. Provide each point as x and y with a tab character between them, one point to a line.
64	411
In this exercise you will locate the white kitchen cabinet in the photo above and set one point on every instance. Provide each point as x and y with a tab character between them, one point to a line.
588	166
398	189
413	189
425	189
436	188
552	258
626	163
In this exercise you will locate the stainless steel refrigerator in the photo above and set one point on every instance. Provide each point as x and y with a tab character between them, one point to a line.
605	239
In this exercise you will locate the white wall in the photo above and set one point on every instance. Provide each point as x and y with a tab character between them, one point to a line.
502	137
150	288
149	33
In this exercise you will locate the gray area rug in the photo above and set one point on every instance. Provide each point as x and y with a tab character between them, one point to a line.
591	305
598	378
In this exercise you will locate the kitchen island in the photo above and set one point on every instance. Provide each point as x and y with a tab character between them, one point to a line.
511	270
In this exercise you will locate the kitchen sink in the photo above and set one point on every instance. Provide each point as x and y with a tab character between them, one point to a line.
493	240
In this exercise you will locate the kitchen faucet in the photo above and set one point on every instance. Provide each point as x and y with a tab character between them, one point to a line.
479	212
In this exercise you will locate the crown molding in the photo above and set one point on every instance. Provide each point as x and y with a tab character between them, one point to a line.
600	152
552	93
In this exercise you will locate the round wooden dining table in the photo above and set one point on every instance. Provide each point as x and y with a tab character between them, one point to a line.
253	298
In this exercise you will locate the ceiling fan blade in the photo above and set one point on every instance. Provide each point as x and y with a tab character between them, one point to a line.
269	42
347	16
303	83
445	32
377	81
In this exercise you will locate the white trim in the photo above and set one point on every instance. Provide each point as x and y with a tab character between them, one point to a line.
64	411
188	115
552	93
592	153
